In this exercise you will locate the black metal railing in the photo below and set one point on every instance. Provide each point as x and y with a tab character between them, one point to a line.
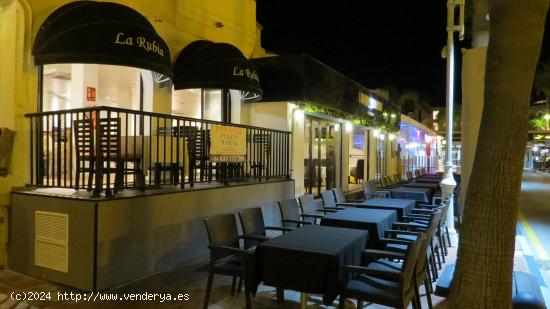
107	148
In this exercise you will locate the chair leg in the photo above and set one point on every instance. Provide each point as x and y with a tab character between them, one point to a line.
436	254
447	232
435	275
360	304
342	301
233	285
247	298
91	172
416	293
428	286
77	177
280	294
208	289
240	286
442	247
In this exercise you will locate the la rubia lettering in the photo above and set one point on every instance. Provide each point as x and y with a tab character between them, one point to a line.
140	41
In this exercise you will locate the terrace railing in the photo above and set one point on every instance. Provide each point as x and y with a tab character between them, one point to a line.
110	149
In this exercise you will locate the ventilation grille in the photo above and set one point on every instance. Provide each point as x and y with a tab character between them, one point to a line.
51	236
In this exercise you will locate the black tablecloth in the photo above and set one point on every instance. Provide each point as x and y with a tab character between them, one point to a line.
402	206
308	260
428	180
410	193
376	221
430	185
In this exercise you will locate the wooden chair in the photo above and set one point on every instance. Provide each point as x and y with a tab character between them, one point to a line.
108	145
226	256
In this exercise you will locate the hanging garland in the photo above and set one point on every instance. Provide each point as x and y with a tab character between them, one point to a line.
387	122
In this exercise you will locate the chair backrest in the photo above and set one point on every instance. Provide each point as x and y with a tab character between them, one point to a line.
289	209
222	231
252	221
373	185
308	204
108	140
409	175
429	234
408	267
328	198
367	187
384	182
84	139
339	195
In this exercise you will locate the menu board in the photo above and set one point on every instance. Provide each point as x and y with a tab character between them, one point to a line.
227	143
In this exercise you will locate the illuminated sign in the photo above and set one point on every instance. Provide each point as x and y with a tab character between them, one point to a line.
370	102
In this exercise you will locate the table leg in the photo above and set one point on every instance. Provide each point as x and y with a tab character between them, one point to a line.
303	300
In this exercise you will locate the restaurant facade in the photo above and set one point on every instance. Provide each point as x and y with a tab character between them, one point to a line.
133	122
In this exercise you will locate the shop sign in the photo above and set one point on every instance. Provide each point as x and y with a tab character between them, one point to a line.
227	143
250	74
140	41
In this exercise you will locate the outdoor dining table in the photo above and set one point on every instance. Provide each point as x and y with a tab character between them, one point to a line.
428	180
375	221
401	206
308	260
419	194
416	184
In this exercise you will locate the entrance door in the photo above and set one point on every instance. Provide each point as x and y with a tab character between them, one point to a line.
322	144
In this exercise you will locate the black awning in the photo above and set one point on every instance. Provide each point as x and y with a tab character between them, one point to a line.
302	78
103	33
205	64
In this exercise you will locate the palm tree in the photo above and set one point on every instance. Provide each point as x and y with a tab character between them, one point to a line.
483	276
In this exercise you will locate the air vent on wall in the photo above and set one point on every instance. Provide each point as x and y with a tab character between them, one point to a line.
51	237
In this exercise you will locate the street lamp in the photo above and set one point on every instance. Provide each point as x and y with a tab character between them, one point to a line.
448	183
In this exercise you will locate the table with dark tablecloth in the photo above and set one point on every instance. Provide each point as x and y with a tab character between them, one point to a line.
428	180
376	221
308	259
401	206
410	193
417	184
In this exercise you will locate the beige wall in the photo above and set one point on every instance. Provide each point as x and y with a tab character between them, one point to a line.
177	22
135	236
473	76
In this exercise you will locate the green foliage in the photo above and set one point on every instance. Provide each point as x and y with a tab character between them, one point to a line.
362	116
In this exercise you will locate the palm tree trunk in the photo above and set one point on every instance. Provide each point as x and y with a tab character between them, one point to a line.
485	256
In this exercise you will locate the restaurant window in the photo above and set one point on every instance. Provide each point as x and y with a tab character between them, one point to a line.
357	159
78	85
321	155
208	104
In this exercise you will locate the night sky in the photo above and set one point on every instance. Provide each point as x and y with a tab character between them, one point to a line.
377	43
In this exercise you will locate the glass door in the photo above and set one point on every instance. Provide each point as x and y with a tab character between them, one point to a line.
321	154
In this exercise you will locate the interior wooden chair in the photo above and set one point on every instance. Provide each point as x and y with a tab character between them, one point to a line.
291	216
108	145
226	256
390	288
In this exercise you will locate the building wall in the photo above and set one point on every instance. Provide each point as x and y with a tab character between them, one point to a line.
473	76
136	237
177	22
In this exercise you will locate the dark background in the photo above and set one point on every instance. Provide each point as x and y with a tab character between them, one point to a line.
377	43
